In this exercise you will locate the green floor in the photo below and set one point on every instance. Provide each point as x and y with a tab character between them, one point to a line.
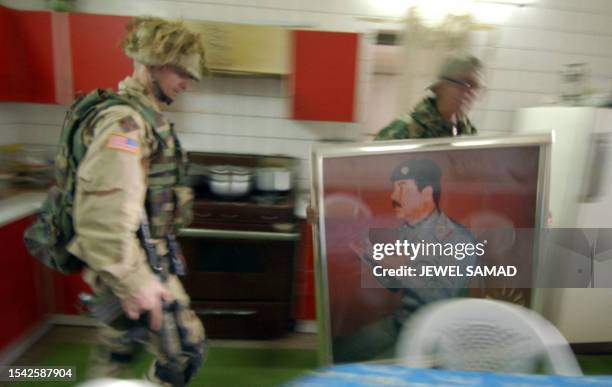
595	364
224	367
247	367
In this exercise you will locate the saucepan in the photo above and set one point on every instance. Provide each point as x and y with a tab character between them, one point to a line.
273	179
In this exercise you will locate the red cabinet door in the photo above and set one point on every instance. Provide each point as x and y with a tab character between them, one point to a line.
29	290
20	303
26	68
324	75
97	58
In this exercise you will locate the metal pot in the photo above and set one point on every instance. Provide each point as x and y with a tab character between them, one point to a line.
273	179
229	181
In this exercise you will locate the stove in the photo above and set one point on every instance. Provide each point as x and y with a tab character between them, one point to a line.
241	255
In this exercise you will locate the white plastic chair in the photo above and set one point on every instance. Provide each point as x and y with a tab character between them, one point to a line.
484	335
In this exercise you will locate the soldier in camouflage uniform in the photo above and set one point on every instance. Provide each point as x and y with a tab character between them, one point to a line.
415	198
132	167
444	114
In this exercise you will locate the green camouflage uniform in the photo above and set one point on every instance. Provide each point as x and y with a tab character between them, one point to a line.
424	122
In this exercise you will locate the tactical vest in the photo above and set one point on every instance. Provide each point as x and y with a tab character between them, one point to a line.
49	236
166	169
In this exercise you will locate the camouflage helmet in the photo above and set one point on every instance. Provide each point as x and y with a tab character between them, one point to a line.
457	65
155	41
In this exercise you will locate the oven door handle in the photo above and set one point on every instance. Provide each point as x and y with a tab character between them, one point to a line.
225	312
232	234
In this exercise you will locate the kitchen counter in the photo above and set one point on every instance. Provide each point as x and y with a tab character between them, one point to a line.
20	204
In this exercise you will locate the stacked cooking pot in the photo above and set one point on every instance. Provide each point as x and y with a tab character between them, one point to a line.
229	181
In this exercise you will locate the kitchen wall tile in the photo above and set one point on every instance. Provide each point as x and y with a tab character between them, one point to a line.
512	100
537	17
38	113
477	116
40	134
537	82
497	121
599	84
304	169
591	6
8	133
9	113
599	65
528	60
589	23
479	38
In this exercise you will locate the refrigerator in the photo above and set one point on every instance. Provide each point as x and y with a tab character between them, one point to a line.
580	197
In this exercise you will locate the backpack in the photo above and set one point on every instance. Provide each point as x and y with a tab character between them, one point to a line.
47	239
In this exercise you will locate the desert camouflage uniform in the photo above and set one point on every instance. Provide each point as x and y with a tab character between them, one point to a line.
123	172
424	122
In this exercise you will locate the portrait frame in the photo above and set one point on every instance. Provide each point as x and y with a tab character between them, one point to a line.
378	153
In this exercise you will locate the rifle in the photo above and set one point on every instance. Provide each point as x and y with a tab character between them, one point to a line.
108	309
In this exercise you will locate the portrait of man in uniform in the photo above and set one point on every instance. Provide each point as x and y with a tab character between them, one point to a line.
374	199
415	197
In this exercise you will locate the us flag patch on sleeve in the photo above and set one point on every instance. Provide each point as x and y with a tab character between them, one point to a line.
123	143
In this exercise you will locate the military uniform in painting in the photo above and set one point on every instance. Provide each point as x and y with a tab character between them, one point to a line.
422	223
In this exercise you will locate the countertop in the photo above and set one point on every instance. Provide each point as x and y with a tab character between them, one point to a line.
19	205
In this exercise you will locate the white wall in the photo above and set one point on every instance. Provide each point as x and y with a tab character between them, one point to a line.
523	53
8	124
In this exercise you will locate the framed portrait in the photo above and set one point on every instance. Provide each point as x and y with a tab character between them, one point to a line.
401	224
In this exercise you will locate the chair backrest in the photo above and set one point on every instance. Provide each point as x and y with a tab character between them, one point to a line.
484	335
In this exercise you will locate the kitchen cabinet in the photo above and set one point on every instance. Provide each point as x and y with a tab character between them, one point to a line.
19	303
26	68
98	60
27	74
324	75
244	49
66	293
30	291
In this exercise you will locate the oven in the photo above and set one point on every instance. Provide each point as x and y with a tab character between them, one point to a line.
241	260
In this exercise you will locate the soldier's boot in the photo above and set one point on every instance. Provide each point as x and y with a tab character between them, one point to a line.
110	365
113	355
163	375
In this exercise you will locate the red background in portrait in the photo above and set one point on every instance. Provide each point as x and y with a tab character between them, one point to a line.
502	181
